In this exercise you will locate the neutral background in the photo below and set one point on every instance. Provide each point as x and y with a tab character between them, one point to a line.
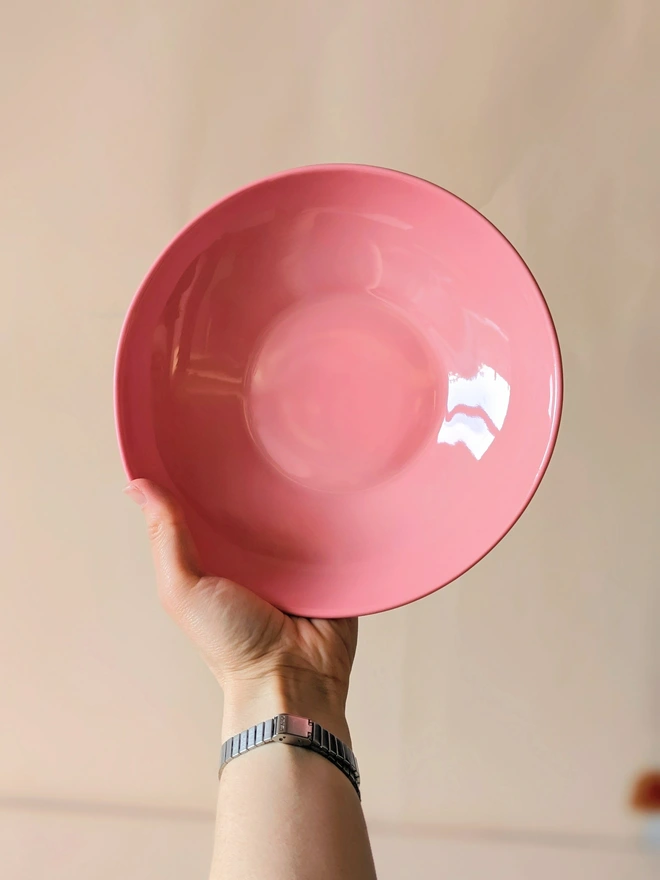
517	706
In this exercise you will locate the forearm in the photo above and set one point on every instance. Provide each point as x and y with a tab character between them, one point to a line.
284	811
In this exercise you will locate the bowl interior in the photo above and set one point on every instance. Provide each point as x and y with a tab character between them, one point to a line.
350	379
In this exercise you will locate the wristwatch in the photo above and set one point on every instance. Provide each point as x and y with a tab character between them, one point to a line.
293	730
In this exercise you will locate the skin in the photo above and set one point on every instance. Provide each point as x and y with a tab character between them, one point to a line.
283	812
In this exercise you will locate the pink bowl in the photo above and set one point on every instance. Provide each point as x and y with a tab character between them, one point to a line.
350	379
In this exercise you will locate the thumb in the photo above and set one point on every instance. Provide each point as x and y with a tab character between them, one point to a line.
175	558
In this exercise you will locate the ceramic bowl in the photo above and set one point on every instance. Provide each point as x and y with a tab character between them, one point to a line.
351	381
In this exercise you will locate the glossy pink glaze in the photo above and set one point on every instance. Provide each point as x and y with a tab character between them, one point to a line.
350	379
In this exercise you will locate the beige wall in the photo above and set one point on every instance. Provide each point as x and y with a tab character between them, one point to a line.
516	706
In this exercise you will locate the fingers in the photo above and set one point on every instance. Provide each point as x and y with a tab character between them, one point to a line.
173	550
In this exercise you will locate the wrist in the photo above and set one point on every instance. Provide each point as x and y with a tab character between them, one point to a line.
248	702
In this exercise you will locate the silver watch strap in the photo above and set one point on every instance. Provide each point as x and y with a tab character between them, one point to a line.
295	731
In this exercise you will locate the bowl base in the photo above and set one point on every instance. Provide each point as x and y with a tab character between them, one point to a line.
342	393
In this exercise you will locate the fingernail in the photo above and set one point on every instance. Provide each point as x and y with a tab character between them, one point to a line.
136	495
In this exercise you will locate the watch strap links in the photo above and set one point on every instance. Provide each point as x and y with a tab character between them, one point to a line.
295	731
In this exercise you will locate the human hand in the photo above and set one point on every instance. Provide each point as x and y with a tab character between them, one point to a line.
266	661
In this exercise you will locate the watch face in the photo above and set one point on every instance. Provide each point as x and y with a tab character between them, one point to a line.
295	725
